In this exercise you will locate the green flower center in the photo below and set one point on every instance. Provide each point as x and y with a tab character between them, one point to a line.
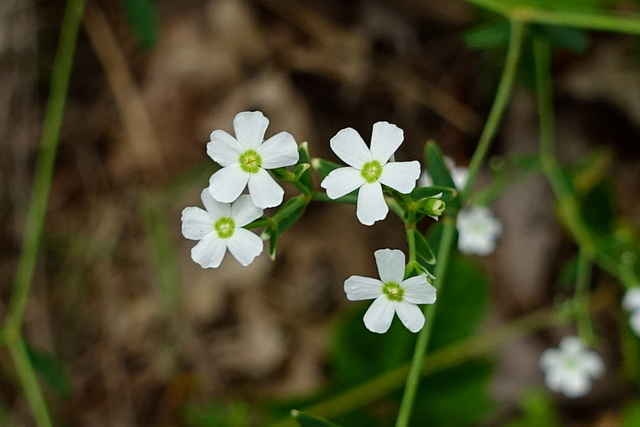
250	161
570	363
371	171
393	291
225	227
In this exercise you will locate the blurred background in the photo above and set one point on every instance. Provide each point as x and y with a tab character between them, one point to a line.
126	330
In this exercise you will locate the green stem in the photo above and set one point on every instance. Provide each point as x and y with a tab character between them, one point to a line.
444	251
586	20
499	104
37	210
477	345
581	299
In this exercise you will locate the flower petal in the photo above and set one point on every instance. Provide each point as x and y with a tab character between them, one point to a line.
350	148
371	206
401	176
264	190
342	181
226	184
572	346
410	315
250	127
550	359
215	209
244	246
278	151
196	223
209	251
243	211
591	364
223	148
417	290
379	315
576	384
360	288
390	263
631	300
385	140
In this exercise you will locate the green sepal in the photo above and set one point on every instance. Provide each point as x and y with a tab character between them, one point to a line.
432	206
283	174
421	193
304	175
324	167
424	253
306	420
273	244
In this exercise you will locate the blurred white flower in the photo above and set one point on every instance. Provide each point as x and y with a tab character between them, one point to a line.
219	228
631	303
370	168
391	294
458	174
478	230
571	368
245	160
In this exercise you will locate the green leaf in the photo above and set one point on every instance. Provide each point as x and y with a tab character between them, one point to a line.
143	19
324	167
454	397
461	303
631	414
538	410
424	253
305	177
50	370
439	173
306	420
570	38
488	36
597	208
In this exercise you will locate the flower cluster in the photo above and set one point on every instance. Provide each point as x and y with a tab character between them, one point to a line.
243	187
245	160
571	368
631	303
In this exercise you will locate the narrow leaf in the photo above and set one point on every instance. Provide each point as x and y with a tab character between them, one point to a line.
306	420
142	17
50	370
424	253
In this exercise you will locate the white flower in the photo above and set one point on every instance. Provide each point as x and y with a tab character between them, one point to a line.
478	230
631	303
631	300
459	174
391	294
245	160
369	168
219	228
571	368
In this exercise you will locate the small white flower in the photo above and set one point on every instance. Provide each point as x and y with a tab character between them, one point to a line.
391	294
459	174
219	228
478	230
631	300
571	368
245	160
631	303
369	168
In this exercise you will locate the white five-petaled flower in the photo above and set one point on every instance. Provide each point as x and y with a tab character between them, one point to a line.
571	368
631	303
369	168
391	294
219	228
458	174
478	230
245	160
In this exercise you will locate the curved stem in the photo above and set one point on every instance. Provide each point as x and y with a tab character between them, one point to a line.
406	406
37	211
587	20
499	104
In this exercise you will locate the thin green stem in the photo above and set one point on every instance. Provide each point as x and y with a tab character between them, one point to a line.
499	104
629	24
477	345
444	251
581	299
37	210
